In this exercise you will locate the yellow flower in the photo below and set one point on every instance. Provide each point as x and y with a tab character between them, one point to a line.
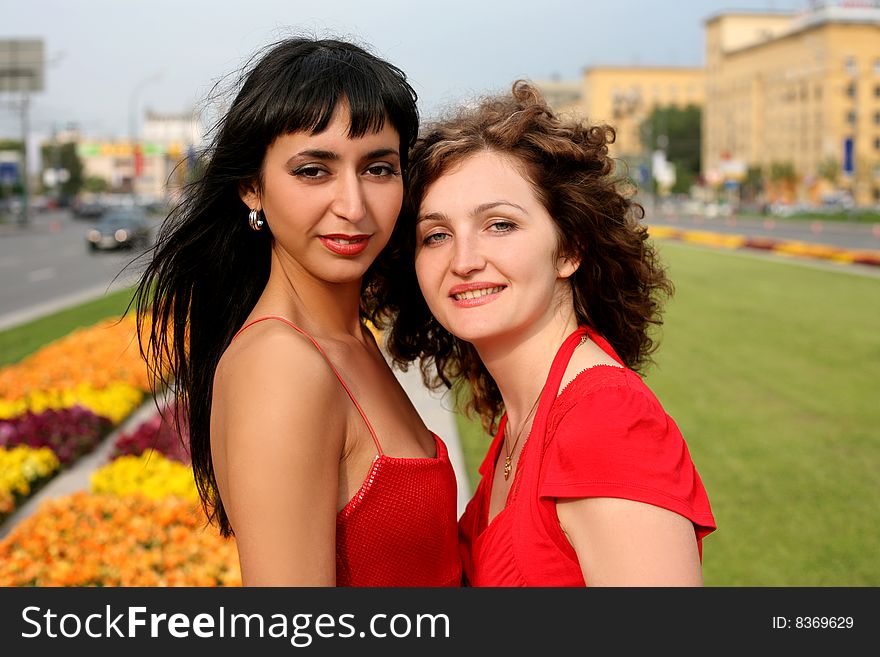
150	474
20	468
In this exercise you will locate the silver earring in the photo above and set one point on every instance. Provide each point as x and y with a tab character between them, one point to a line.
255	221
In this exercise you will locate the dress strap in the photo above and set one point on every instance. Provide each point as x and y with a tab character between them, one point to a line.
554	377
329	362
537	434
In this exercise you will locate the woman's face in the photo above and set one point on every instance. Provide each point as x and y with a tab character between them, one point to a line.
486	252
331	201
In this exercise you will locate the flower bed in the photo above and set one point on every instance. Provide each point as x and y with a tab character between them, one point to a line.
150	474
68	432
159	433
142	523
99	368
108	540
22	471
70	394
94	358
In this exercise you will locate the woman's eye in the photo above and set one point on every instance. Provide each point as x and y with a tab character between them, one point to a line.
434	238
381	170
309	172
503	226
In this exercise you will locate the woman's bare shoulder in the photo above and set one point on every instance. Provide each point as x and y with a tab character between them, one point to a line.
274	352
272	374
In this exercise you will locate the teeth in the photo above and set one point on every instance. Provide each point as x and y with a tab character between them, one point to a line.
476	294
339	240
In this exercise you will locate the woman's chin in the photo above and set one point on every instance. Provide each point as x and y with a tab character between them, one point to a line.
473	332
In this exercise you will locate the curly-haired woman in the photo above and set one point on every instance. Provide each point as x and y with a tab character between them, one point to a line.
540	289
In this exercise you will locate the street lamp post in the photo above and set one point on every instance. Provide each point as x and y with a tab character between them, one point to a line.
25	164
133	124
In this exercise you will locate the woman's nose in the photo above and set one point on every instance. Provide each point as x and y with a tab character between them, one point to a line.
467	257
350	202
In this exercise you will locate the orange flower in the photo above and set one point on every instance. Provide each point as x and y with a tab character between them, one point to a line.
102	540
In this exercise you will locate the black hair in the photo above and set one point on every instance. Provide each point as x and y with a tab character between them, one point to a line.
208	268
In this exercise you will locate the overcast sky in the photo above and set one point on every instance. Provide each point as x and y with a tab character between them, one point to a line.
109	60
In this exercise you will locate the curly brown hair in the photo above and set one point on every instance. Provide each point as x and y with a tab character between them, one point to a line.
620	285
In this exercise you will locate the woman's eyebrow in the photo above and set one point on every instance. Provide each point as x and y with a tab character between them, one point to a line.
381	152
321	154
480	209
314	153
484	207
431	216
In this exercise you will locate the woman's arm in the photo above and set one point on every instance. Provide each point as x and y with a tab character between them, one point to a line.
620	542
277	440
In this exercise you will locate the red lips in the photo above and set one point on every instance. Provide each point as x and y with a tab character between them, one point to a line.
477	293
345	245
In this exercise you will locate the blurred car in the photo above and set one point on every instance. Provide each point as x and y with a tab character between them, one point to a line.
120	229
87	209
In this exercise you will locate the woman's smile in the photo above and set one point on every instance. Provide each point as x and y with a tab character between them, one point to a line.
475	294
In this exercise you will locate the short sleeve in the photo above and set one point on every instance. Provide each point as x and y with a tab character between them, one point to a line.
615	440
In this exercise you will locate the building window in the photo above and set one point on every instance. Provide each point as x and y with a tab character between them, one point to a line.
877	118
877	143
851	116
850	65
877	91
851	90
877	66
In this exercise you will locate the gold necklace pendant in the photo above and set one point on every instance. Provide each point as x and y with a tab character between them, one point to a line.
508	466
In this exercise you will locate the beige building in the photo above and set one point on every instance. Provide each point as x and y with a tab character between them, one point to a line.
797	95
148	167
624	96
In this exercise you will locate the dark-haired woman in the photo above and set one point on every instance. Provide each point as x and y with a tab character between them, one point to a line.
540	290
304	445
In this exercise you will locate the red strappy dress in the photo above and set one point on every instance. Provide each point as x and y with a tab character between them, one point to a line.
604	435
400	529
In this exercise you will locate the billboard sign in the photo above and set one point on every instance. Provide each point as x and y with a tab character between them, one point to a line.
8	173
10	167
22	64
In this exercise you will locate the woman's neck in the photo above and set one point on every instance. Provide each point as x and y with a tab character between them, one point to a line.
519	363
318	306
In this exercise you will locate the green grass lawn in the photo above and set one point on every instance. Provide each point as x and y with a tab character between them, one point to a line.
22	340
772	372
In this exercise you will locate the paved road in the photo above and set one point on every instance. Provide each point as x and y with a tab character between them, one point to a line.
847	235
46	265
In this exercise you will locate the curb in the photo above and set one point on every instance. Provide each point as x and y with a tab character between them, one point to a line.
787	247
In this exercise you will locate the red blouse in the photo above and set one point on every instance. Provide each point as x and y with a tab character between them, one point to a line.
400	527
604	435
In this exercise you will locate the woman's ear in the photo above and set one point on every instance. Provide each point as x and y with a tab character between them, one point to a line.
566	267
249	194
